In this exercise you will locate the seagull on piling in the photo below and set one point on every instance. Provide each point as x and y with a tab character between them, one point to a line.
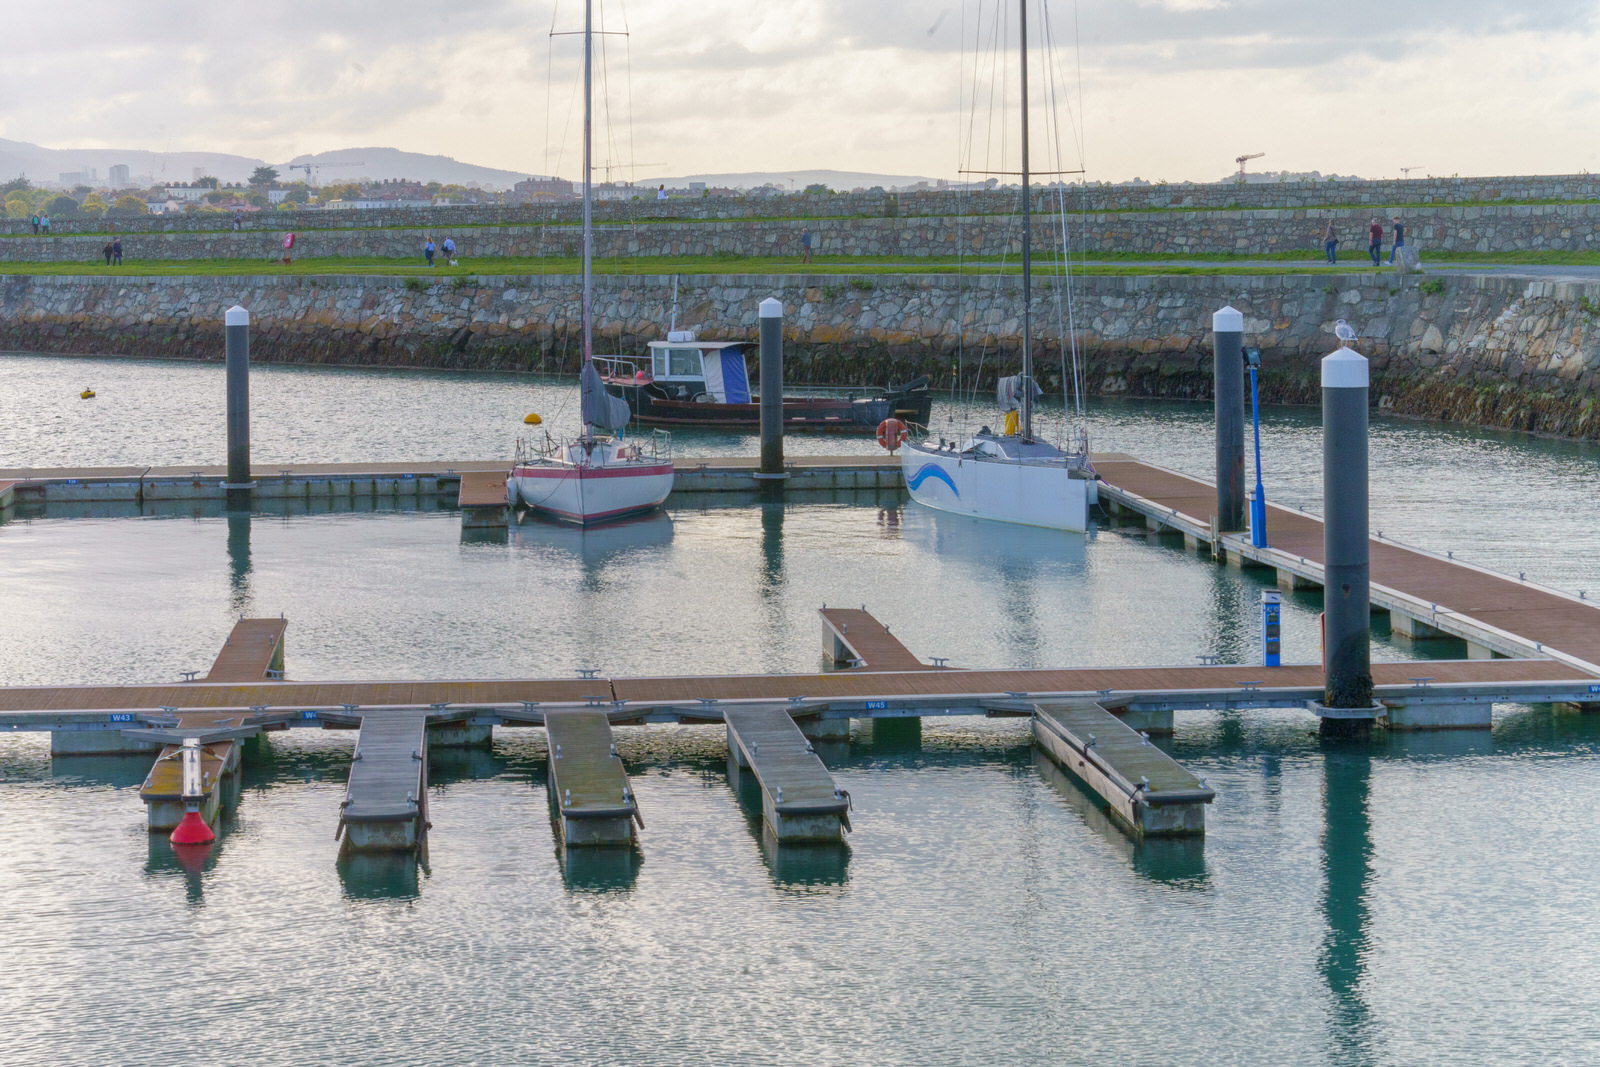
1344	331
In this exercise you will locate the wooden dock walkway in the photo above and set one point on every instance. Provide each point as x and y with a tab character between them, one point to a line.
385	805
252	652
799	800
1424	592
1146	789
589	788
853	638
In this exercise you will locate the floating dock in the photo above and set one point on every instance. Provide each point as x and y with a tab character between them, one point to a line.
799	800
589	790
385	806
1146	790
852	638
483	498
1426	594
353	482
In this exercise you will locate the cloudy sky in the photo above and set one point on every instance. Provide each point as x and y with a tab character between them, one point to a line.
1170	88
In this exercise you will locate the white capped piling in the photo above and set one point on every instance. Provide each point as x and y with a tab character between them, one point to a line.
237	322
1227	334
1347	698
771	388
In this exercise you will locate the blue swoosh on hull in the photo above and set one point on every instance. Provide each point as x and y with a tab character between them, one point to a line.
931	470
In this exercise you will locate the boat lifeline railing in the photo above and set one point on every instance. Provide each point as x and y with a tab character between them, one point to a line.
620	367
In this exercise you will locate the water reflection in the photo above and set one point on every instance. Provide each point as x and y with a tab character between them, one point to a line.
595	546
380	875
239	599
119	772
794	865
1347	878
599	870
1174	861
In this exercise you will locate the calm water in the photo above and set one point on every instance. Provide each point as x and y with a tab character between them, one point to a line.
1409	900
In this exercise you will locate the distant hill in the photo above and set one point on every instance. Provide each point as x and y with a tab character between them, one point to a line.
44	166
388	164
837	180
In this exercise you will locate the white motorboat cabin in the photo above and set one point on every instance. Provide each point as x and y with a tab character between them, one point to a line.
710	371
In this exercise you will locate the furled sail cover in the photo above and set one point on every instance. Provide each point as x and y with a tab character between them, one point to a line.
1009	392
600	409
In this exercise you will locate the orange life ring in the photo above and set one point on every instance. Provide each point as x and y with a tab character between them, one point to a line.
892	433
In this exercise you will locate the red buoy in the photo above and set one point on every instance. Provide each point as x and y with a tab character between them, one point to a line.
192	830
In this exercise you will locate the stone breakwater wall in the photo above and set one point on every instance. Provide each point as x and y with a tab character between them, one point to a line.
1505	228
1106	197
1492	351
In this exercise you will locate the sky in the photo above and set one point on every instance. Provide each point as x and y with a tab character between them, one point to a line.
1157	89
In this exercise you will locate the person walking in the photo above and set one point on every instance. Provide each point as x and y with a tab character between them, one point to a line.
35	221
427	250
805	245
1330	243
44	221
237	222
449	248
1399	239
106	251
288	247
116	251
1375	240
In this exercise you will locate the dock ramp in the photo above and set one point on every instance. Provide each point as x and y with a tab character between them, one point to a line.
589	788
1148	791
799	800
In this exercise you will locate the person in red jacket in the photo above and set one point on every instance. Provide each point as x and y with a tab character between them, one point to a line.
288	247
1375	241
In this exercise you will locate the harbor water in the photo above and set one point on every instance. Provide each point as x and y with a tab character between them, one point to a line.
1424	898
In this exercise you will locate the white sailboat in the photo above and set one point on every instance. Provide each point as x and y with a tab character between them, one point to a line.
600	474
1011	476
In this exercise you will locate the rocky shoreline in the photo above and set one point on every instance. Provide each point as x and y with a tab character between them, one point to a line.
1498	352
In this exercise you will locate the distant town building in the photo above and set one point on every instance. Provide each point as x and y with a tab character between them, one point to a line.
277	196
188	194
120	177
86	176
374	204
534	189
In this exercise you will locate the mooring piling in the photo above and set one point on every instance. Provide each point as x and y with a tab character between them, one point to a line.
1347	705
1227	334
771	315
237	329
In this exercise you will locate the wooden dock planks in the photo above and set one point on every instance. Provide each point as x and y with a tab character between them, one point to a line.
386	805
253	648
866	640
1560	623
588	785
19	705
1148	791
483	489
799	800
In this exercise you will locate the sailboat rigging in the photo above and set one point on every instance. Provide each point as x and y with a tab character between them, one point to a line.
1013	476
600	474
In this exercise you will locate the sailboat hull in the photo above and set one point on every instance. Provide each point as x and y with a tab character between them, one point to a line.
1050	494
590	494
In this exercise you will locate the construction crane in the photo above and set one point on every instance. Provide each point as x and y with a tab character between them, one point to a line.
1405	172
1241	161
312	168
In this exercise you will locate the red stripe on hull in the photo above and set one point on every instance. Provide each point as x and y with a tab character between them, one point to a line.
583	473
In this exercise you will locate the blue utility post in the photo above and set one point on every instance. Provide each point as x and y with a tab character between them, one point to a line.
1271	628
1258	505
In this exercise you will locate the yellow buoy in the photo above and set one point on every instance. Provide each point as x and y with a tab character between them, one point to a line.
87	394
531	419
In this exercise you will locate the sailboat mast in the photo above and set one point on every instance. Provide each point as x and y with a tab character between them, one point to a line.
588	186
1027	245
